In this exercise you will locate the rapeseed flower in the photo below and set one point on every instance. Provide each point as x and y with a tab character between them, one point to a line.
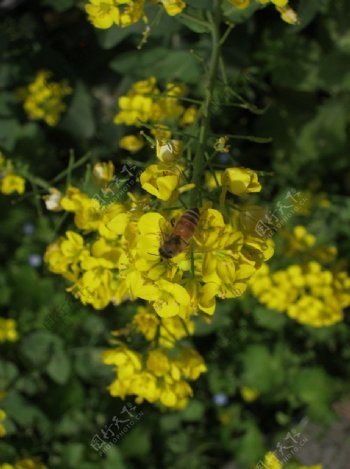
9	181
8	331
308	293
43	98
104	14
156	376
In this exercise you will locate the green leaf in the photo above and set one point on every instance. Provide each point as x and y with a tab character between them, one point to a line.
194	411
24	412
72	454
37	348
8	372
79	119
326	133
59	366
9	132
262	370
307	10
194	22
314	387
136	442
269	319
109	38
60	6
163	63
251	446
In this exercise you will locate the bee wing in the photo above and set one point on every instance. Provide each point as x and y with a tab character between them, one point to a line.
164	228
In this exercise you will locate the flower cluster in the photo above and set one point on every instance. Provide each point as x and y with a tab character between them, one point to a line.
8	330
156	376
104	14
28	463
43	98
146	102
9	181
282	6
167	331
122	261
308	292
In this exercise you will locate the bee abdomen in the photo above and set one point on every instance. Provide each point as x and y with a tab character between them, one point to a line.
192	215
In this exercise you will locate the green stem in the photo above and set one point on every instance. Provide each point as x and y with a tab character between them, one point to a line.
199	158
71	168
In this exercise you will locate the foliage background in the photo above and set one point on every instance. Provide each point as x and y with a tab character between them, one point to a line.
54	382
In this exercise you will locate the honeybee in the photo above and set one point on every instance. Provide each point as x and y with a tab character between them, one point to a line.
181	235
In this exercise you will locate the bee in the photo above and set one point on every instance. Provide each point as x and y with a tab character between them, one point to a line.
181	235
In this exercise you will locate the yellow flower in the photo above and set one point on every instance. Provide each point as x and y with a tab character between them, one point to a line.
173	7
307	293
240	181
103	173
287	13
8	330
173	299
88	213
43	98
132	143
2	428
189	116
249	394
29	463
160	377
161	180
53	200
12	183
241	4
169	151
104	13
271	461
169	330
144	102
318	466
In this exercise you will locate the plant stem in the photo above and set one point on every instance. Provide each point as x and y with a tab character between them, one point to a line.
199	158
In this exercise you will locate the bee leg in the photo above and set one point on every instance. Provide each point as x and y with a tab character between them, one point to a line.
172	221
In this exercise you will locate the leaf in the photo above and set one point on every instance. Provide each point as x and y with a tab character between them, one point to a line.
262	370
194	22
194	411
8	372
251	446
9	132
88	365
59	366
60	6
326	133
72	455
162	63
269	319
314	387
307	10
79	119
109	38
38	347
24	413
136	442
